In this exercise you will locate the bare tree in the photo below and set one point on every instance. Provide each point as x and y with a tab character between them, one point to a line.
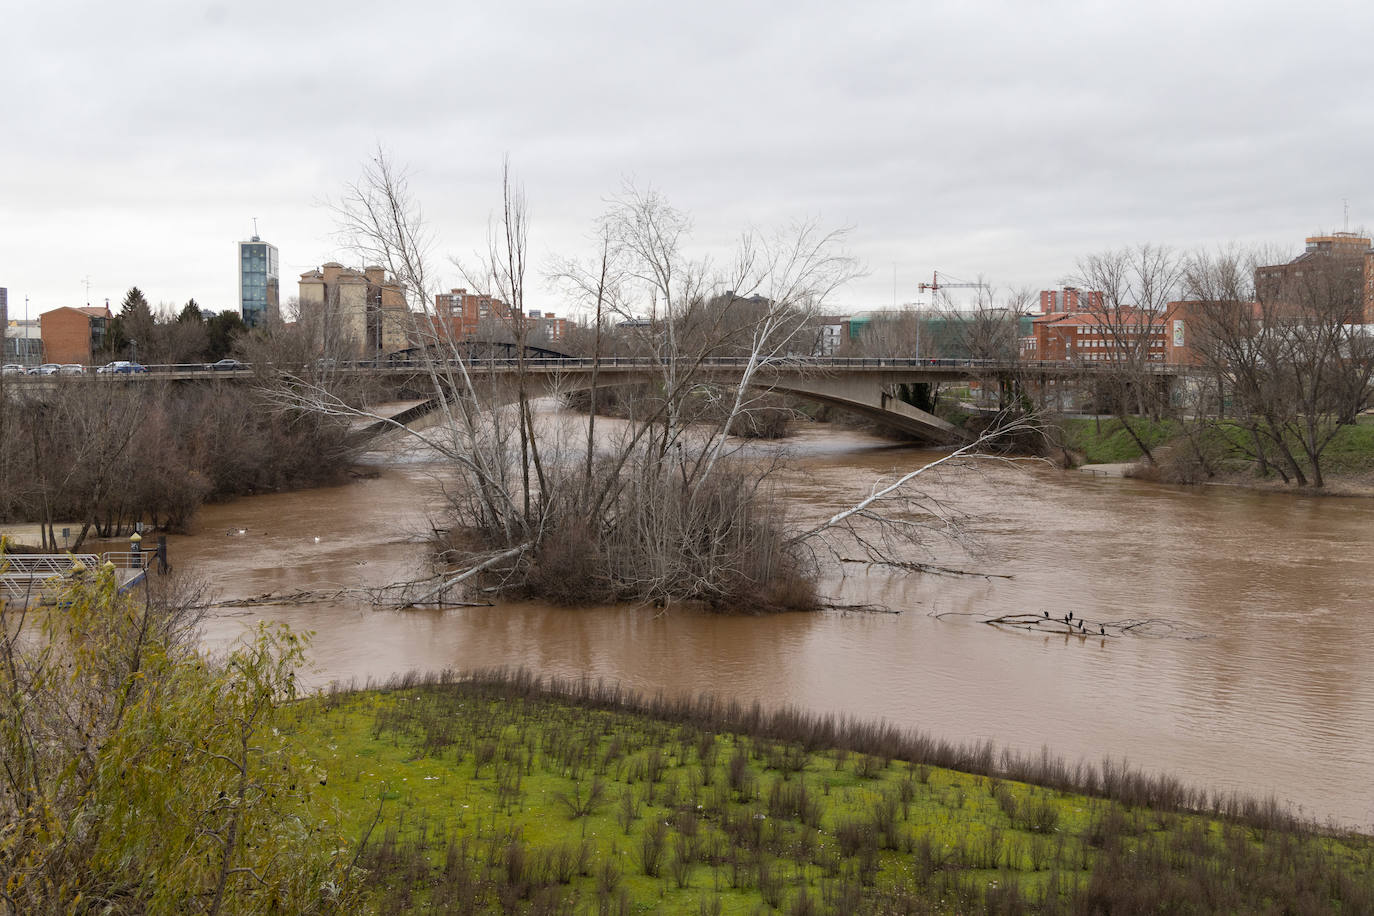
656	509
1292	355
1127	292
989	333
501	273
78	453
595	284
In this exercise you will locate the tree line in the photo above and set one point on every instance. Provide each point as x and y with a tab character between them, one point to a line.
109	456
1277	360
191	335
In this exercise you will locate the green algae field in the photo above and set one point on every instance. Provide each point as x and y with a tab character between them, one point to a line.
505	793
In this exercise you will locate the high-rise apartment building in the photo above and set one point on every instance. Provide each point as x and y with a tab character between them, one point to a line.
259	283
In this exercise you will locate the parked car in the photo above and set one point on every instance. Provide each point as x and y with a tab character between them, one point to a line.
45	369
120	367
71	369
12	369
226	365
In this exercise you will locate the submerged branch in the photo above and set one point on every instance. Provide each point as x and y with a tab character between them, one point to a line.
468	573
863	507
858	608
929	568
1069	625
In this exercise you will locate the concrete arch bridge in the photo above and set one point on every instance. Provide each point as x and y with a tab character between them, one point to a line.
870	387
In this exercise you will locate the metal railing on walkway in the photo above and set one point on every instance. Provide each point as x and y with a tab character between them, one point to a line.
34	575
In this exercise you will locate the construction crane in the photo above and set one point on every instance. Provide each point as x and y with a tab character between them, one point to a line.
935	284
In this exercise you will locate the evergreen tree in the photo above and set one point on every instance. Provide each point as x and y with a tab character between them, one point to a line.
133	323
224	328
135	307
191	312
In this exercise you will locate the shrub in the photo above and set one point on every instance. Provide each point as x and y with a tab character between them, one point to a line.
155	761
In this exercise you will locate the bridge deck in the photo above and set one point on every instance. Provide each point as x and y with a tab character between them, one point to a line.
935	368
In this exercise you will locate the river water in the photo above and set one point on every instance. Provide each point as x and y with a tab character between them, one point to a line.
1258	675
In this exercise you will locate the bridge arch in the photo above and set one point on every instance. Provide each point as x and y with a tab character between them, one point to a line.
867	396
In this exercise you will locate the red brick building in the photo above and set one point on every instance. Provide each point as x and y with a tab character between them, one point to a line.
460	315
1069	299
74	335
548	327
1346	256
1098	336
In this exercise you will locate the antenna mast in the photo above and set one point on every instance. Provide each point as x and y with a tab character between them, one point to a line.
255	228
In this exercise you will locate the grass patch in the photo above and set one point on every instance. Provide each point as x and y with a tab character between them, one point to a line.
1350	452
503	793
1108	442
1352	449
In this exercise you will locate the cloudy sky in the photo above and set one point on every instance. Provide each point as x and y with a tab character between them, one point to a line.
1000	140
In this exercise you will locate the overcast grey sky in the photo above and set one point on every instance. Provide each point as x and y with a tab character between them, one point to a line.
994	139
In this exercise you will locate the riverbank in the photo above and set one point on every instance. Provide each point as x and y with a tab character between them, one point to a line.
506	791
1104	445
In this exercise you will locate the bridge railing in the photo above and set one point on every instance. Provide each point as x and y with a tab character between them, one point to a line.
740	362
544	363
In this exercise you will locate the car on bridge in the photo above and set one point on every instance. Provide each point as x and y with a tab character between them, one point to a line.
225	365
12	369
45	369
71	369
120	367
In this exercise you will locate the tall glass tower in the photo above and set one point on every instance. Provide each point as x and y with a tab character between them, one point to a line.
259	286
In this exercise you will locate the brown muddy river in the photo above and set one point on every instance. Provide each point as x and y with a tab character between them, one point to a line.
1258	678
